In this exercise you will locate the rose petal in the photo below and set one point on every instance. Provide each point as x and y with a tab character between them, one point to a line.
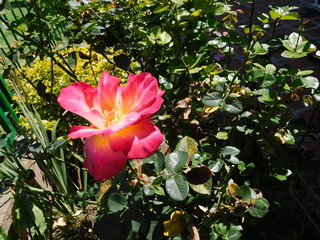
137	141
141	94
80	98
101	161
107	91
83	131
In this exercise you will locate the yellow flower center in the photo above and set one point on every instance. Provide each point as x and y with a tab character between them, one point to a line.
113	117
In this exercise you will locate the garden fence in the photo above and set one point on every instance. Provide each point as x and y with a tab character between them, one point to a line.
25	17
8	118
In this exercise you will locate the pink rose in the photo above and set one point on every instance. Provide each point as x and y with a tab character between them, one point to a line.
121	125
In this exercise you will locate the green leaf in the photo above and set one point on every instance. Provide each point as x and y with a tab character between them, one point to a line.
195	14
61	45
177	187
268	95
35	147
233	234
234	107
158	190
159	163
56	144
187	144
204	188
288	137
268	80
259	207
222	135
246	193
5	6
310	82
232	159
155	33
229	150
284	13
3	235
148	190
140	32
216	165
40	220
74	4
22	27
287	54
257	73
72	59
212	99
23	210
221	87
195	70
297	44
117	202
176	161
157	159
260	49
177	1
270	69
164	38
3	140
317	97
304	72
96	30
161	8
264	18
283	175
246	170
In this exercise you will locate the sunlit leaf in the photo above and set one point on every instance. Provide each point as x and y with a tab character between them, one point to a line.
310	82
216	165
155	32
212	99
164	38
259	207
230	150
246	193
233	234
187	144
161	8
176	161
177	187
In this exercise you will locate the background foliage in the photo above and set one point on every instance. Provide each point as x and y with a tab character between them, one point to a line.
234	145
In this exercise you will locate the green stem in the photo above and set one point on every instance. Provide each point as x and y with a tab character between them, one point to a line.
225	185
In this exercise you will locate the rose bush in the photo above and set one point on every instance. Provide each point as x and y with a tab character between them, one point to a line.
121	125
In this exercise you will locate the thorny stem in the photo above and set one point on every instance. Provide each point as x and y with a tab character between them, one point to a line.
225	185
